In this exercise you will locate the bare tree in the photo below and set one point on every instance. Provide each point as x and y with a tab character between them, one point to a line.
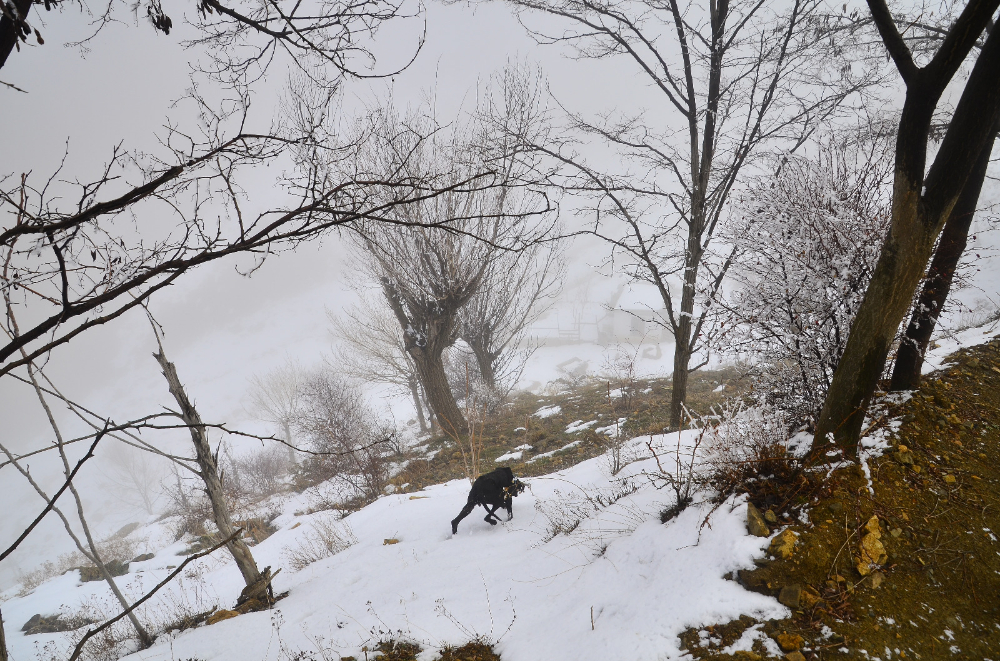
275	398
427	276
352	446
134	476
732	80
374	350
208	468
922	199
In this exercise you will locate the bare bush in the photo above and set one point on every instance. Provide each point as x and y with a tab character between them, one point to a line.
326	537
746	452
809	240
623	386
256	475
357	448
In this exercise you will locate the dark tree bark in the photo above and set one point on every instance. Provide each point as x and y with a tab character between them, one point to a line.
209	471
919	206
10	29
937	283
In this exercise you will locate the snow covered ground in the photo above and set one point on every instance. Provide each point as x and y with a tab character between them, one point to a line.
618	585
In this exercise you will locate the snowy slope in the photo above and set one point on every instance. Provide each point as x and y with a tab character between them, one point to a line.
515	583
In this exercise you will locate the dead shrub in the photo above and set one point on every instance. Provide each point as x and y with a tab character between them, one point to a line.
326	537
357	449
745	453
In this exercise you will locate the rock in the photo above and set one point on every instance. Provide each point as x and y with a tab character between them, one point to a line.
896	532
389	542
871	552
794	656
747	655
127	529
32	621
877	579
783	545
220	615
756	525
771	517
809	597
747	579
836	507
115	568
949	479
142	558
789	642
790	596
904	456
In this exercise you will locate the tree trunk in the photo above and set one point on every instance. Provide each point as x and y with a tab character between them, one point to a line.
415	393
485	361
3	641
430	369
937	283
9	31
683	342
920	206
209	471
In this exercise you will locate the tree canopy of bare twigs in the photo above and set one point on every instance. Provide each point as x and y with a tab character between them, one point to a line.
728	82
514	291
373	350
275	398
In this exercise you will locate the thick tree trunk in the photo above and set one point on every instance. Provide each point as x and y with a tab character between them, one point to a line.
683	342
9	30
209	471
937	283
430	369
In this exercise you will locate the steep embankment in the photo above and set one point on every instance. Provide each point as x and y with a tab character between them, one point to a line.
929	522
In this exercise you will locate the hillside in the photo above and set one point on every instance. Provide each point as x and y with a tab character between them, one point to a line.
601	566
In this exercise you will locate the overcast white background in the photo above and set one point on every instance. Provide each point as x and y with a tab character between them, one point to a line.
222	327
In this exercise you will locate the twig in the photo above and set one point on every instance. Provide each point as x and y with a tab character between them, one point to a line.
55	497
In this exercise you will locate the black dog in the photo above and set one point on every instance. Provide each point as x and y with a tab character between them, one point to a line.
492	491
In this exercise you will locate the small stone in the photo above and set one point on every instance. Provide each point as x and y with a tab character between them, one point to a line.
871	552
389	542
916	469
877	579
790	596
794	656
783	545
771	517
756	525
142	558
896	532
905	456
982	455
789	642
949	479
836	507
809	597
220	615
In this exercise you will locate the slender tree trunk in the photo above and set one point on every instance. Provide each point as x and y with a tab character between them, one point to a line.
485	361
415	393
287	428
683	342
209	471
3	641
937	283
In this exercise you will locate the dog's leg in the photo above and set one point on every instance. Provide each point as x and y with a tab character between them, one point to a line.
490	515
469	506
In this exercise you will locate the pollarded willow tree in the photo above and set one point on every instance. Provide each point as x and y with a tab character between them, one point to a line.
724	82
923	197
429	270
